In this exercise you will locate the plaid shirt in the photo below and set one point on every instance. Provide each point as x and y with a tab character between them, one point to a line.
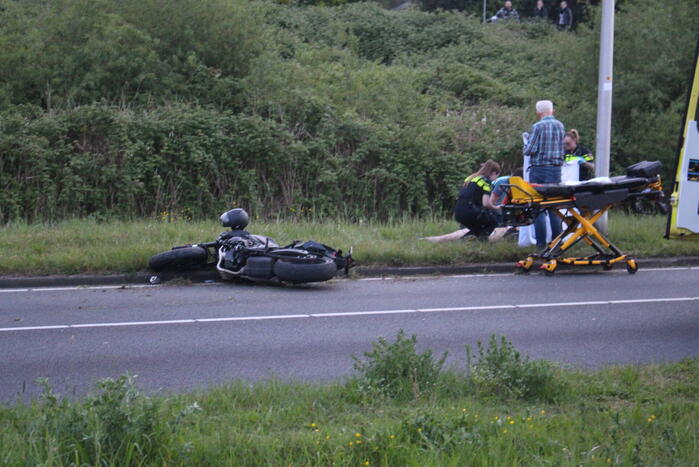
545	144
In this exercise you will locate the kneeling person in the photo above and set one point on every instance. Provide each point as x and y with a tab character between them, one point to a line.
474	208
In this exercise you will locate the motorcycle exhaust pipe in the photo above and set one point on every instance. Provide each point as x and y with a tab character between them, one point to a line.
224	271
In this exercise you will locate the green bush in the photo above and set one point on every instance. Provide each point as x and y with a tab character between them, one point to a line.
134	108
105	162
397	370
617	416
445	434
501	371
117	425
64	53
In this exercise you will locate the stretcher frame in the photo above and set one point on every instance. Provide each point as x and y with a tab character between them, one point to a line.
578	212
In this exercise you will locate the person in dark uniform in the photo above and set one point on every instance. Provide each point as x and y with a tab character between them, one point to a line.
540	11
474	208
565	17
580	154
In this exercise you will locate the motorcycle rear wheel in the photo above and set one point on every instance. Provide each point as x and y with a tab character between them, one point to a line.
179	258
305	269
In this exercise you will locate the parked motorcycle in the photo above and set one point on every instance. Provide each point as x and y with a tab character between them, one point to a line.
653	205
237	254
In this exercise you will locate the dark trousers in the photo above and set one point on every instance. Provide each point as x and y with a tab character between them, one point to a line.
479	220
545	174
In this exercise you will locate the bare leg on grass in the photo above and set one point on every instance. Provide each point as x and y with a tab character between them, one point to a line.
446	237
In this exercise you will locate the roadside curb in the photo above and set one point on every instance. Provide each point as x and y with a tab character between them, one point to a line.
15	282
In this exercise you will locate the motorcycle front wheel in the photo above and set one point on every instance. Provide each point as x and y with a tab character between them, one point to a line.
298	270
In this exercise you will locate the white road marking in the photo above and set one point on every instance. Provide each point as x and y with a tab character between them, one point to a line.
541	305
686	268
359	313
36	328
81	287
467	308
434	276
249	318
467	276
150	323
131	323
503	274
365	279
650	300
350	313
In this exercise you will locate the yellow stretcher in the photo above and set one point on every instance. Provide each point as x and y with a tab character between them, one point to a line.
579	207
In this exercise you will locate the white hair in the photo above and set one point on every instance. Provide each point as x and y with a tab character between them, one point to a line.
543	107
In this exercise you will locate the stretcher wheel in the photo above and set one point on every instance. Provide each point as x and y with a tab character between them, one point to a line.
631	266
525	266
549	268
607	266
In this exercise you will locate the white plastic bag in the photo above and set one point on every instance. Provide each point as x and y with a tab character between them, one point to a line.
570	172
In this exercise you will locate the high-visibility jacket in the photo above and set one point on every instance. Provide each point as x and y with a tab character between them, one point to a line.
471	194
480	180
483	183
469	210
581	154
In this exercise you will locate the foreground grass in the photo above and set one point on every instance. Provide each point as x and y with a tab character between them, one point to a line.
616	416
84	246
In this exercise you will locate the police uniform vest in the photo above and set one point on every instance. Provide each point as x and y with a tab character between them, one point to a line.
582	155
472	193
469	210
579	153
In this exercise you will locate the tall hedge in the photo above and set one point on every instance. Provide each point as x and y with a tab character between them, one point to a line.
136	108
103	161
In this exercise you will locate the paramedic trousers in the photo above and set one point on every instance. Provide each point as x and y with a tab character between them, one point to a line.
479	220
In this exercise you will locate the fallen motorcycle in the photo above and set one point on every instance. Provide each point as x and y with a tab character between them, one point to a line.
237	254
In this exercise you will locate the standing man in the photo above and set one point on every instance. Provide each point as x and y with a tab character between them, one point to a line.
565	17
545	149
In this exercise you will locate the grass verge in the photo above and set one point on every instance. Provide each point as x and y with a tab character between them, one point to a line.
86	246
615	416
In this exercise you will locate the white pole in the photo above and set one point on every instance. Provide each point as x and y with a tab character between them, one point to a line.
604	96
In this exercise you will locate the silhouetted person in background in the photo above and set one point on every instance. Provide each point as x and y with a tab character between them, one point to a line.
564	20
540	11
507	12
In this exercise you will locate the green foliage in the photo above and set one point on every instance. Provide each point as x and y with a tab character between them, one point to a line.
99	160
502	371
650	85
133	108
617	415
379	35
64	53
106	245
116	425
524	7
397	370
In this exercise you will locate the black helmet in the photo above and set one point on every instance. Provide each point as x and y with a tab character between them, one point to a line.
236	219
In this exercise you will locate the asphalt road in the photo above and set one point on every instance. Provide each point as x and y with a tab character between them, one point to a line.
184	337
